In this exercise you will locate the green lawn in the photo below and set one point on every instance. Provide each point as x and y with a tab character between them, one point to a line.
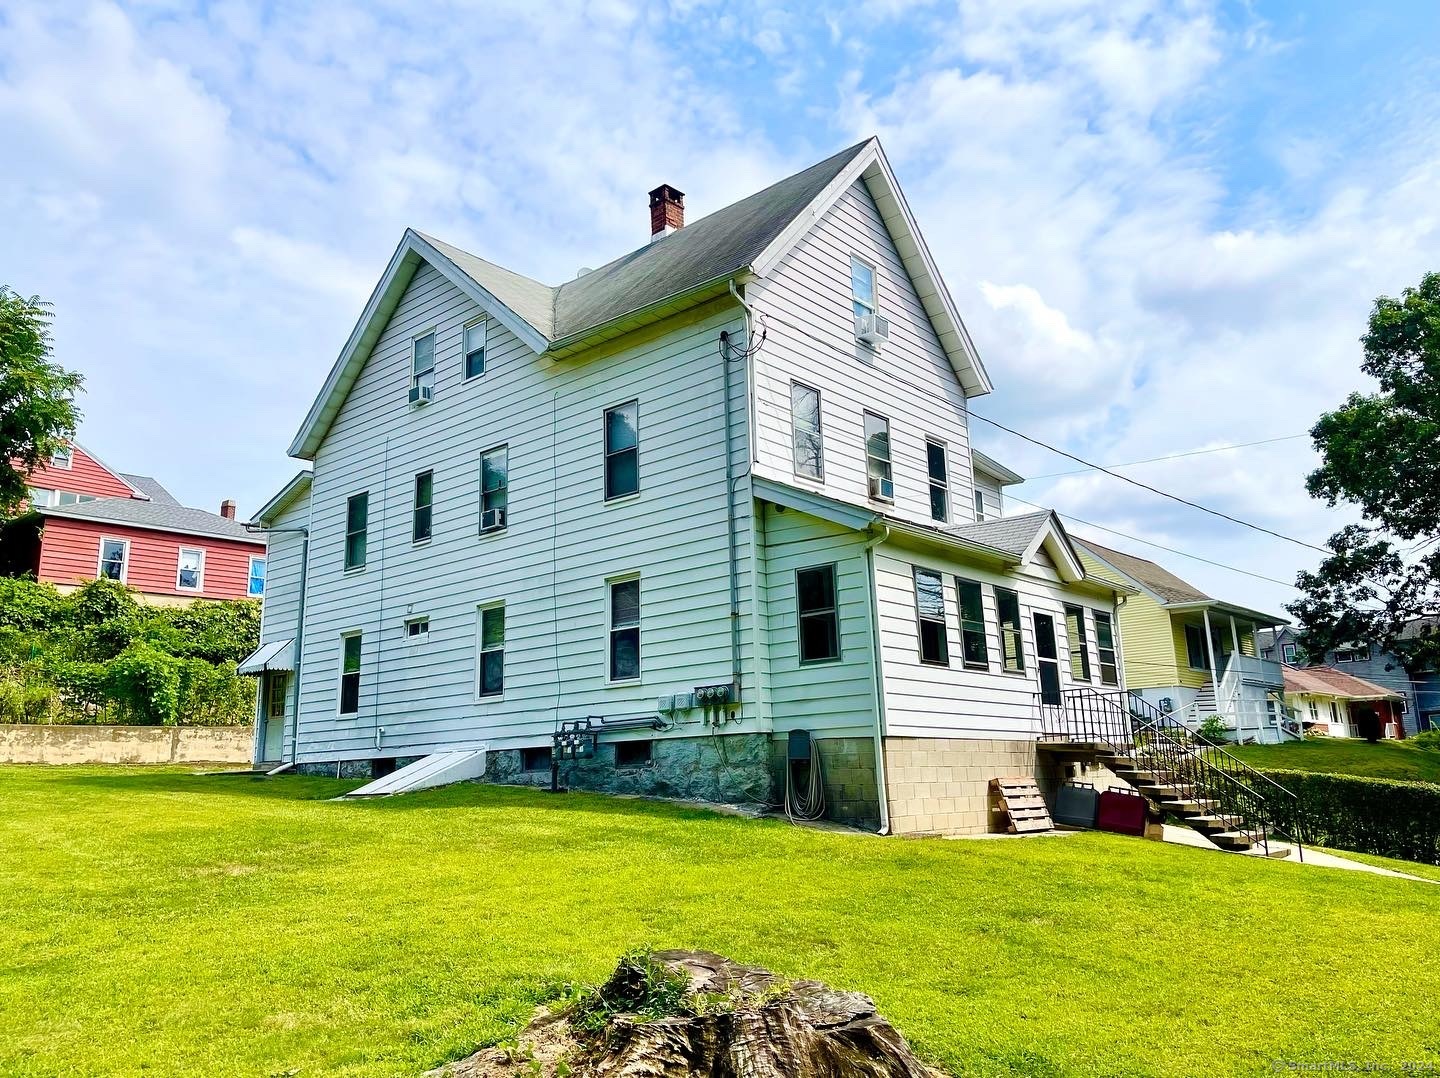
160	923
1346	756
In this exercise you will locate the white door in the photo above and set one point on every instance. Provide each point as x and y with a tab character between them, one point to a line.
273	737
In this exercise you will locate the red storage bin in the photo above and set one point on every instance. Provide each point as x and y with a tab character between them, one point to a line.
1121	812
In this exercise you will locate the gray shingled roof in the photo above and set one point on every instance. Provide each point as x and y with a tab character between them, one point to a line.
1010	534
158	515
1169	587
150	487
711	248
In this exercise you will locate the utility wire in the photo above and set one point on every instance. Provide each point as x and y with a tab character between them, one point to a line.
1091	465
1173	456
1157	546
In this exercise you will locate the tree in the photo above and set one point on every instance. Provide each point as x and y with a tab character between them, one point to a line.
1381	452
37	396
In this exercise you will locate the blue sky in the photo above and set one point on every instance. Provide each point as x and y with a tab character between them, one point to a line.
1164	223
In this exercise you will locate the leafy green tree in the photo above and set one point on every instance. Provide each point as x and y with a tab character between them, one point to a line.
1381	452
37	396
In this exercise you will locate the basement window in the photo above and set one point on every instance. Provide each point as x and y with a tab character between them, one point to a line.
535	759
633	753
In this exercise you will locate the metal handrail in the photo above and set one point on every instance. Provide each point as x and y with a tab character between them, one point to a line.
1137	729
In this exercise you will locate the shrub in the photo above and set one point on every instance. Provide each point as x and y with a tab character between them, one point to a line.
1213	731
213	695
96	601
1427	739
1385	817
26	605
146	683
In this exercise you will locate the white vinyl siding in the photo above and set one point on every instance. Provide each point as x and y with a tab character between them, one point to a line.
810	338
989	503
560	546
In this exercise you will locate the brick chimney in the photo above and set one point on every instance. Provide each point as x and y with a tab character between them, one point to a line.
667	211
227	509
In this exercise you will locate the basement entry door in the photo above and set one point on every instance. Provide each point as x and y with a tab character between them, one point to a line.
1048	656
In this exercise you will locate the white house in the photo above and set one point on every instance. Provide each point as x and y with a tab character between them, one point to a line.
714	492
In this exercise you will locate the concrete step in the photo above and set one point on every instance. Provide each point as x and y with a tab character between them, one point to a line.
1232	840
1209	824
1181	807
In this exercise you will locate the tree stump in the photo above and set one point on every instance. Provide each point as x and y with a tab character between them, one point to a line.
677	1014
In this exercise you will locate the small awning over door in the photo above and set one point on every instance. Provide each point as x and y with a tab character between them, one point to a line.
276	655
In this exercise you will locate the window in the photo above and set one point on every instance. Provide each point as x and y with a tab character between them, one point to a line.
1287	651
1105	648
979	505
350	674
475	334
625	629
877	457
1012	647
65	497
930	614
973	650
417	629
495	489
537	759
1267	653
256	584
275	706
1314	712
805	431
190	572
490	680
633	753
622	450
114	554
1076	640
862	286
939	480
357	513
818	615
422	366
421	515
41	497
1357	654
1196	653
64	457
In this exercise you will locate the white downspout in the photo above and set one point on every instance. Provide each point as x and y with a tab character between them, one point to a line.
873	614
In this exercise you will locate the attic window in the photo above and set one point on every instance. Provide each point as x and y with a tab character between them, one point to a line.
422	367
63	457
862	286
475	336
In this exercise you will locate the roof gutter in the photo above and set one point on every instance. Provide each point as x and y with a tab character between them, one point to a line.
568	345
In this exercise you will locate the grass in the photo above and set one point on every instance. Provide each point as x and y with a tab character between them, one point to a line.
156	922
1346	756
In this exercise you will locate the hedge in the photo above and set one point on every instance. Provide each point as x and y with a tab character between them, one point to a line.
1385	817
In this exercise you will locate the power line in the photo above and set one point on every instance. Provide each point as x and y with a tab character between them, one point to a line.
1146	486
1158	546
1174	456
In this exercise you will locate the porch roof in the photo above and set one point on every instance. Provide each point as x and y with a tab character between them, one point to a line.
1327	681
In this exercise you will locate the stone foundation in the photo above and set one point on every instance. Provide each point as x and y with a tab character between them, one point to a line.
941	785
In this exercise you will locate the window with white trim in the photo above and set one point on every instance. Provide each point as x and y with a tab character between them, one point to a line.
476	334
1079	645
862	286
1012	642
190	571
622	450
495	489
1356	654
417	630
255	584
877	458
422	515
939	479
64	457
818	614
805	431
350	645
1287	652
979	505
624	658
422	364
490	658
1105	648
114	556
974	650
930	617
41	497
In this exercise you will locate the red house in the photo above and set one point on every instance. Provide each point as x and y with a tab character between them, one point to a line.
92	521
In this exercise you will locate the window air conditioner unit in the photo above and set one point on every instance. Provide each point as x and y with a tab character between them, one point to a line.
492	520
873	329
422	394
881	488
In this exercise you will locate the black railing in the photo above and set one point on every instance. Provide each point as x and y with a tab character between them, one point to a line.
1248	802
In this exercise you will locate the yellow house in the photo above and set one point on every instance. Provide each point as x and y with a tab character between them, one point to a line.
1192	655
